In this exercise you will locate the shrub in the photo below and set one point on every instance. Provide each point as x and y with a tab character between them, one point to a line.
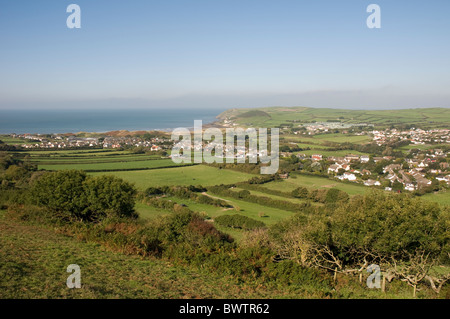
239	221
73	195
300	192
108	195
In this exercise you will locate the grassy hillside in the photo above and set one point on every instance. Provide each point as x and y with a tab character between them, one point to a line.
429	117
33	262
192	175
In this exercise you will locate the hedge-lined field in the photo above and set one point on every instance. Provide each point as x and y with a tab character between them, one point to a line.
113	166
190	175
316	182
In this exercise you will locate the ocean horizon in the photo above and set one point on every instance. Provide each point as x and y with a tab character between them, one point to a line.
74	121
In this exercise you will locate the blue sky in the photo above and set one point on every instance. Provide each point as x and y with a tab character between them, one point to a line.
224	54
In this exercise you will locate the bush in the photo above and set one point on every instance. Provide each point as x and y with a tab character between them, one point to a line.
300	192
239	221
73	195
108	195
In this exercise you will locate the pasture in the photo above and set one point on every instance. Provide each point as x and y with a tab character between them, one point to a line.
189	175
274	116
442	197
113	166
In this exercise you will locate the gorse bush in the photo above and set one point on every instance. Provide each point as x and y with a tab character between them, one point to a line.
395	231
72	194
238	221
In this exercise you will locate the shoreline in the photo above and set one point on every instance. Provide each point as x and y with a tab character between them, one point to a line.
74	122
216	123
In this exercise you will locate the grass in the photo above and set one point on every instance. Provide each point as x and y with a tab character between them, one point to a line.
425	117
148	212
342	138
112	165
15	141
442	197
33	263
91	159
251	210
259	193
190	175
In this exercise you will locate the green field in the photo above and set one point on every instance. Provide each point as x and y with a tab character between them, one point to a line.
14	141
191	175
274	116
341	138
315	182
33	262
90	159
442	197
259	193
148	164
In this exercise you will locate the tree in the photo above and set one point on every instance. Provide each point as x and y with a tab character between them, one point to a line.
109	195
397	186
62	192
300	192
72	194
400	233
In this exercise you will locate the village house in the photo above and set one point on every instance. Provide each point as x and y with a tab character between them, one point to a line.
371	182
334	168
348	176
351	157
444	178
284	176
390	168
364	158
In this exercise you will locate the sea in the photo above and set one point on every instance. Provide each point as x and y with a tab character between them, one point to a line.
74	121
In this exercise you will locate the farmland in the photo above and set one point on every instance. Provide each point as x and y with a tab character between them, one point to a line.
192	175
32	257
200	224
275	116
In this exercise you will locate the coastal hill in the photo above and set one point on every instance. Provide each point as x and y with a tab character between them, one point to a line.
276	116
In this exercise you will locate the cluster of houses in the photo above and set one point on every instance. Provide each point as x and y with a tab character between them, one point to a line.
342	164
234	152
412	174
61	142
322	127
415	136
155	144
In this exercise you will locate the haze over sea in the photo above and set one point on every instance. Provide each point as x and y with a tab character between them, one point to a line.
73	121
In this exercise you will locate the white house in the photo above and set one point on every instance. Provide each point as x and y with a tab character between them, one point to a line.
371	182
348	176
364	158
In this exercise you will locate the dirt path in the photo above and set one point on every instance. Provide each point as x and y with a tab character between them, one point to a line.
226	200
